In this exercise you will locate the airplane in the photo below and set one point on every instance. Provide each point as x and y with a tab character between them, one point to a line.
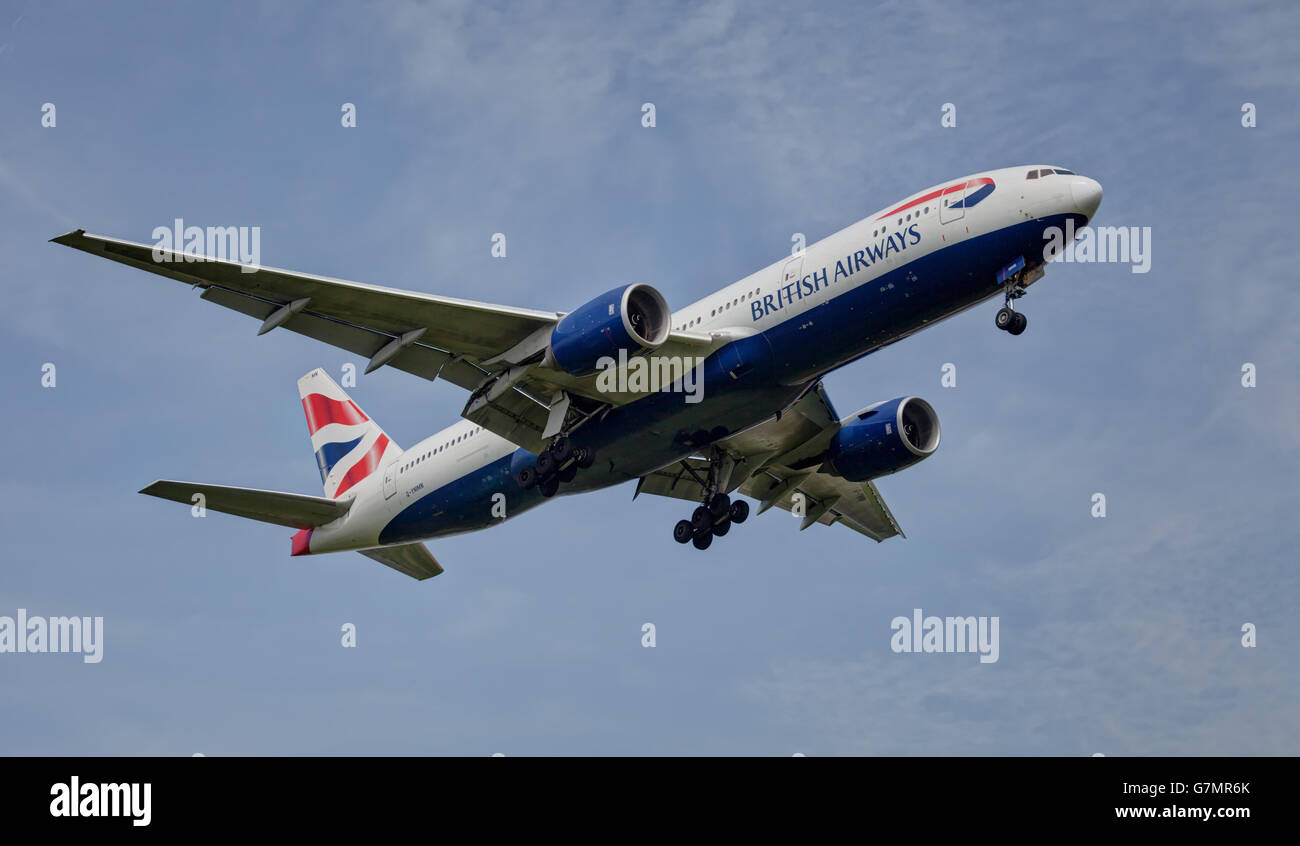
554	407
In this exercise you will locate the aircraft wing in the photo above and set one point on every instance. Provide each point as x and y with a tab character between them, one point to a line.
781	460
480	347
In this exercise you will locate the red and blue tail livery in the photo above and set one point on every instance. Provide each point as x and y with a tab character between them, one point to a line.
349	445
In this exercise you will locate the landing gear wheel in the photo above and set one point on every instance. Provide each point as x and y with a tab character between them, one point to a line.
719	503
545	464
1006	318
722	528
561	449
701	519
549	487
683	531
527	477
739	511
567	473
585	457
1019	324
702	540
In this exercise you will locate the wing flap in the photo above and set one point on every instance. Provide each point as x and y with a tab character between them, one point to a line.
676	481
515	417
417	359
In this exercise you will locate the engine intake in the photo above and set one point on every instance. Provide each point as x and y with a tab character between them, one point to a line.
884	438
633	318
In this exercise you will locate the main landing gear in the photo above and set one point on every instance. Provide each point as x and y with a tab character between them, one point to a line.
558	463
717	513
713	519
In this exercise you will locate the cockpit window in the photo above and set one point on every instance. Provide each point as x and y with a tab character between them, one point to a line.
1033	174
1065	172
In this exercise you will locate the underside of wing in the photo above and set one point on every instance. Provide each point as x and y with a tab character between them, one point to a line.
492	351
471	329
825	499
781	463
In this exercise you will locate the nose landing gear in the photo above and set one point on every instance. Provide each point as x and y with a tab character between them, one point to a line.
1014	282
1010	320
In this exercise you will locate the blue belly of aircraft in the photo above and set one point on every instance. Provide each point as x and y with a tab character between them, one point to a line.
744	383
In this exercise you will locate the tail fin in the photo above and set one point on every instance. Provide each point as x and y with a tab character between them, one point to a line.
349	445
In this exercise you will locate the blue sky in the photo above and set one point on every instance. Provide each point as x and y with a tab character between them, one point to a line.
1119	635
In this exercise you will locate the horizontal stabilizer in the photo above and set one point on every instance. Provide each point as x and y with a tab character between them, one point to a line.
296	511
413	559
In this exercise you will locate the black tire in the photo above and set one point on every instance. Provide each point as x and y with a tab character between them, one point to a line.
701	519
702	540
722	528
527	477
585	456
545	465
1005	319
561	449
739	511
549	487
1019	324
719	504
567	472
683	531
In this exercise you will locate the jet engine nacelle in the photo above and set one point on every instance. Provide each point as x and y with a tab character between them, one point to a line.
632	318
884	438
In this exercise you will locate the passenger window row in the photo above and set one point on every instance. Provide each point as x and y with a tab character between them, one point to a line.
748	295
408	465
754	293
876	233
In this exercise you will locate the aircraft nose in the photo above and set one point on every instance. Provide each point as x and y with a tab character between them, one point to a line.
1086	194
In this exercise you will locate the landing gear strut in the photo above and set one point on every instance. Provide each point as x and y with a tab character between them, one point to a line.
717	512
1008	319
559	462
